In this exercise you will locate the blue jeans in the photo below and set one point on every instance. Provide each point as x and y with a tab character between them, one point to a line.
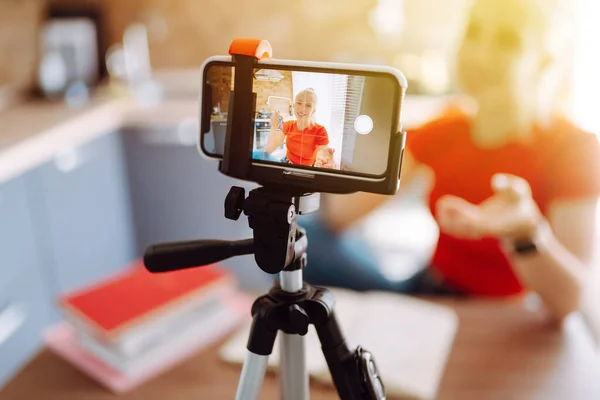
346	261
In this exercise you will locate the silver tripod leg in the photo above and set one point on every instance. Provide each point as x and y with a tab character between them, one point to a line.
292	361
251	379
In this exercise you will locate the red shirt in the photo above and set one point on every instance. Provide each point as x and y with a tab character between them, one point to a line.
302	145
560	163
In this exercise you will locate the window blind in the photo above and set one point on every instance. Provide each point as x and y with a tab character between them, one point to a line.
346	102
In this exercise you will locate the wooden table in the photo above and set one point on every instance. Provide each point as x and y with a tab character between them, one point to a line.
502	351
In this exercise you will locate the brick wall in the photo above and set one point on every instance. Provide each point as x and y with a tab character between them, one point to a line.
183	33
283	88
19	31
222	82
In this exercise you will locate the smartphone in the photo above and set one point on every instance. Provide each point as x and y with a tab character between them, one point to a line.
317	118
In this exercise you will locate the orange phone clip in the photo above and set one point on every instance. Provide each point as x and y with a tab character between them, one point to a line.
257	48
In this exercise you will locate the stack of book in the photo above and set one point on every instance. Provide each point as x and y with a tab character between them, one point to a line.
127	329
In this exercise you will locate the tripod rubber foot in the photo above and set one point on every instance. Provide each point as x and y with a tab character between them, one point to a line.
370	377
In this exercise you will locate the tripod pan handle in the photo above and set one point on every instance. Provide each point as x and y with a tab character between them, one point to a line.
173	256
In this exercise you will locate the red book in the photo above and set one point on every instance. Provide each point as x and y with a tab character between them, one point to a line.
62	339
136	297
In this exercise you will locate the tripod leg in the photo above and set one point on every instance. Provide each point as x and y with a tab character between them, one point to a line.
294	375
355	374
251	379
260	346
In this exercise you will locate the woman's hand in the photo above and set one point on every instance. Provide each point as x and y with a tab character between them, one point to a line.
509	214
275	119
322	163
276	136
325	158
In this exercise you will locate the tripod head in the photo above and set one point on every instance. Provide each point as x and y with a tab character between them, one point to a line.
277	244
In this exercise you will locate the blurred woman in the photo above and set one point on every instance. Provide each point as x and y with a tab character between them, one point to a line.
513	185
306	141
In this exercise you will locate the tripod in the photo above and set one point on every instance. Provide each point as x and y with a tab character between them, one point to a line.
279	246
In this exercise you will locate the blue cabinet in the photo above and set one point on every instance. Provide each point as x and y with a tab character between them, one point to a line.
65	224
87	213
179	195
24	295
91	211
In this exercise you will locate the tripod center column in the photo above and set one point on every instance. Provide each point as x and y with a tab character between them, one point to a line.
291	281
293	371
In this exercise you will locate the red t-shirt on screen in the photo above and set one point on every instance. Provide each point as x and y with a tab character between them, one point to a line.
560	163
302	145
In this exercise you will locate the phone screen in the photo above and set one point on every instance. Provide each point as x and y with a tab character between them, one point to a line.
315	120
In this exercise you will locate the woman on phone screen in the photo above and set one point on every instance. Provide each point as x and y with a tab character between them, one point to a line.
306	141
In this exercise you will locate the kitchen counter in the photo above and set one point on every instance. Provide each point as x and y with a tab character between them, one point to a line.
36	131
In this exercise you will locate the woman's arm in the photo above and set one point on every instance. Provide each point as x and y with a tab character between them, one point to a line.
567	252
274	140
340	212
